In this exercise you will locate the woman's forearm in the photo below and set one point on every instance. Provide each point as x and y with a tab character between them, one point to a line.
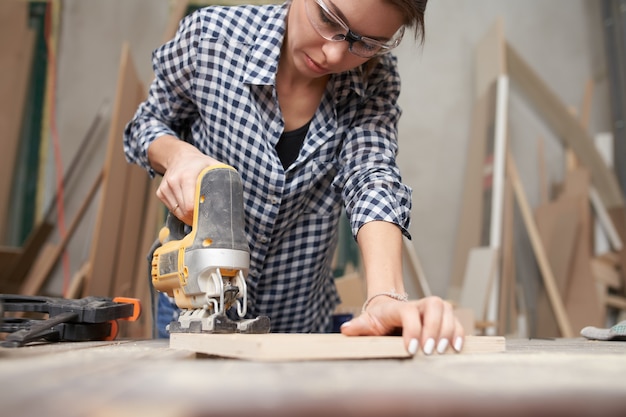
381	252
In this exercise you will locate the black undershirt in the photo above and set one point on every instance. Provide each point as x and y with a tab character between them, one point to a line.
289	144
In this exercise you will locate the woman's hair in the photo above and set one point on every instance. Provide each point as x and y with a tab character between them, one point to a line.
414	11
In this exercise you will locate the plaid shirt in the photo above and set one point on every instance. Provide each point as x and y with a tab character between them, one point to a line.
215	85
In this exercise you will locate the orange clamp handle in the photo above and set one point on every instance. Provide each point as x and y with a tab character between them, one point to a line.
136	306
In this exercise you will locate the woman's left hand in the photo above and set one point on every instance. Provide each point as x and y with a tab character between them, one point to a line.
428	323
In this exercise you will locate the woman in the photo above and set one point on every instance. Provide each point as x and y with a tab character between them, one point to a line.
301	99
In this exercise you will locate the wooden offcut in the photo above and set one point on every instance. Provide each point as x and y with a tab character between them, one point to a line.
550	283
308	347
566	126
17	44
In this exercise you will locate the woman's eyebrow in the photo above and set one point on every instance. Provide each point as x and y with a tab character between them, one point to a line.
338	12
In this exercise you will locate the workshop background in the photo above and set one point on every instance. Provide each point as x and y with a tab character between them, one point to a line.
70	97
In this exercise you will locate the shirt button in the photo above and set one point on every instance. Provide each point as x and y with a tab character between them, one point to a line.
274	200
263	239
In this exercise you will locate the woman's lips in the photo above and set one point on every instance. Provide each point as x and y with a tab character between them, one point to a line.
314	66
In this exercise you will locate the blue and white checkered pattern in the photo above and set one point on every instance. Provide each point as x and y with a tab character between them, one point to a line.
215	85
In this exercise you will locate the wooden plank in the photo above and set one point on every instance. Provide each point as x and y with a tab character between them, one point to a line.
8	258
581	299
12	275
605	220
549	281
470	215
179	8
618	216
558	224
479	277
477	204
606	274
544	188
131	225
490	58
130	93
38	275
152	222
416	269
306	347
507	314
567	127
351	290
616	301
17	43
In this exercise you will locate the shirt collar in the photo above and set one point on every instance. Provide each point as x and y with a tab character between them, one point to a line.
265	53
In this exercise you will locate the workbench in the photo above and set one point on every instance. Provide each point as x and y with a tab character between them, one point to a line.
568	377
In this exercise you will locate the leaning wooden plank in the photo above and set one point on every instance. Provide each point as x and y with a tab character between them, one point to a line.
16	273
558	224
152	222
481	196
566	126
128	255
17	42
507	315
470	215
605	273
415	266
581	300
103	257
179	8
546	271
490	58
44	265
478	281
305	347
9	256
618	216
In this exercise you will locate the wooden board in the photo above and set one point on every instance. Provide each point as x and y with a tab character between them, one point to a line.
476	210
115	205
415	268
469	227
618	216
478	281
566	126
556	301
558	227
303	347
17	43
581	299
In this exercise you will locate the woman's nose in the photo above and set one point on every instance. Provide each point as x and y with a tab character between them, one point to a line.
335	51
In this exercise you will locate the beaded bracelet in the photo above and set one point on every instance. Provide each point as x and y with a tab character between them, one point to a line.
391	294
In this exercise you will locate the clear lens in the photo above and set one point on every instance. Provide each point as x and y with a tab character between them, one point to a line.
331	27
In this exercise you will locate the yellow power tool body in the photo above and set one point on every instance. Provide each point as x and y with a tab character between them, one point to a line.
205	270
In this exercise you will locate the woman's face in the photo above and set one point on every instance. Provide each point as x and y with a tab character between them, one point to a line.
312	55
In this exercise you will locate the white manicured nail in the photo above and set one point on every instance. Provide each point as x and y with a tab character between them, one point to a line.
458	344
346	323
429	346
442	346
413	345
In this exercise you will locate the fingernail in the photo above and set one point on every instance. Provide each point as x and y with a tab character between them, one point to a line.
458	344
413	345
429	346
442	346
346	323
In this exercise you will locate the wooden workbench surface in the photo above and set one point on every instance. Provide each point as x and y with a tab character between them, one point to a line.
570	377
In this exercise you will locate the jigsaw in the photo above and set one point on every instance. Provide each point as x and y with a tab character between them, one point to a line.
205	270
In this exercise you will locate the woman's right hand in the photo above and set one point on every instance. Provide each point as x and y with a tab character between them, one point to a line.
180	163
